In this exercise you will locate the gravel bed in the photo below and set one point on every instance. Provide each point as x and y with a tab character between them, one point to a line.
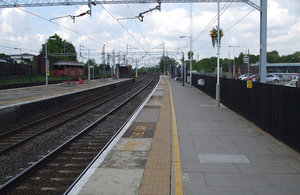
15	162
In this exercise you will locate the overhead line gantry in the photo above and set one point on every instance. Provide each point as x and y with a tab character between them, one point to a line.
262	8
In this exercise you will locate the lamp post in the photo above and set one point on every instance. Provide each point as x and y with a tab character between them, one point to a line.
233	59
163	47
291	65
20	53
47	61
183	71
190	58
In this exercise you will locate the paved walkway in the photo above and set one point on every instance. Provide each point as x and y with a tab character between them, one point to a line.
12	97
181	134
222	153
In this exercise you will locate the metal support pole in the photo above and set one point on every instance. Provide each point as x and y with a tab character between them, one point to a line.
228	62
89	70
114	62
136	73
233	62
164	57
263	41
183	71
191	39
218	64
47	62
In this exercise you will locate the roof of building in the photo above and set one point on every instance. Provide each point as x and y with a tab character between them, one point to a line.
24	56
279	64
68	63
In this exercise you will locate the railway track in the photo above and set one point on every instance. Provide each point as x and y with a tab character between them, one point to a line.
55	172
15	138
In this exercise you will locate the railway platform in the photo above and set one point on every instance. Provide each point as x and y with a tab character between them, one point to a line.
17	102
181	143
18	96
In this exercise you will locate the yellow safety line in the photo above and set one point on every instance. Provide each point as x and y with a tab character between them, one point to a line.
177	162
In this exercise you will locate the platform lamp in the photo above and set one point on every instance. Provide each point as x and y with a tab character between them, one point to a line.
20	53
47	61
233	69
190	57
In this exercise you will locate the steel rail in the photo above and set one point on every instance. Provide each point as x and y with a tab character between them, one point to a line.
34	167
106	145
15	145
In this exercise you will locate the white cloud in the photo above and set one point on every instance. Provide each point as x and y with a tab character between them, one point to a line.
14	21
158	27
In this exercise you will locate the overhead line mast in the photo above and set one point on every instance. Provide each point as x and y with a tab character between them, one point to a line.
262	8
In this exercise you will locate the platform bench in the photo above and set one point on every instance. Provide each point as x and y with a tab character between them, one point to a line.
68	83
86	81
104	79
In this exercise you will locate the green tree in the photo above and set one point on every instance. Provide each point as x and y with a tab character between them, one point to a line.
90	62
207	64
273	57
4	56
254	58
62	47
164	63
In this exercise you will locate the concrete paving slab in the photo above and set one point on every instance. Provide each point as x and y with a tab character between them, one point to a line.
198	137
295	166
194	151
193	179
148	115
140	130
126	159
223	158
237	138
230	128
153	102
186	143
280	150
213	144
134	144
276	190
284	180
113	182
208	190
246	151
266	168
236	179
210	168
206	131
272	158
255	143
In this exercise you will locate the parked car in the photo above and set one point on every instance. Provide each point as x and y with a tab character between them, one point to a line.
271	78
245	76
252	78
292	83
296	77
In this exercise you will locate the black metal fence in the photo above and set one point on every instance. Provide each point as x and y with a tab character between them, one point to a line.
14	70
273	108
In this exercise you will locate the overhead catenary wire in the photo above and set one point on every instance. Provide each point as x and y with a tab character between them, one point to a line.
103	28
139	27
65	27
228	28
122	26
208	25
31	48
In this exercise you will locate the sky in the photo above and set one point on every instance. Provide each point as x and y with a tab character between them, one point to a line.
26	29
